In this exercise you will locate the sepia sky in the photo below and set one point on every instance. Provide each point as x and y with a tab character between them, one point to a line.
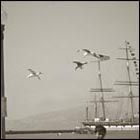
45	36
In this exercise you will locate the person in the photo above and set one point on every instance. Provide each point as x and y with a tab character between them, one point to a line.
100	131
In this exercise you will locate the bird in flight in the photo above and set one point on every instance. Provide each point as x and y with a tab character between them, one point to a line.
34	74
87	52
79	64
98	56
101	57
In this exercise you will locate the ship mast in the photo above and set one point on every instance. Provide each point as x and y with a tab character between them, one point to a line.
101	90
128	83
101	87
87	118
95	106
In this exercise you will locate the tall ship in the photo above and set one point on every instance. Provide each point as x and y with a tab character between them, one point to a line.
131	118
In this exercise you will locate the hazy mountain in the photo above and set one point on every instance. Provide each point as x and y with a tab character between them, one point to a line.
63	119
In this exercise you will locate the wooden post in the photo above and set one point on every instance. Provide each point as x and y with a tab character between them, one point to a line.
2	86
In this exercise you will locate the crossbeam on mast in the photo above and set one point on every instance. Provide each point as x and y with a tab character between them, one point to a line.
102	90
128	48
134	96
105	101
128	59
132	84
128	81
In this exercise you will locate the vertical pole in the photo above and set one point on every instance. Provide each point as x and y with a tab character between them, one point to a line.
95	107
130	86
87	113
2	85
102	96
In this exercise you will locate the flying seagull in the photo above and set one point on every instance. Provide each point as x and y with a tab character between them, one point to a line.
101	57
87	52
79	64
98	56
34	74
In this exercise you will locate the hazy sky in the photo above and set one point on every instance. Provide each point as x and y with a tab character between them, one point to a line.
45	36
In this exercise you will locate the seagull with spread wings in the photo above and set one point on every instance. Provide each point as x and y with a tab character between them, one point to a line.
79	64
34	74
98	56
101	57
87	52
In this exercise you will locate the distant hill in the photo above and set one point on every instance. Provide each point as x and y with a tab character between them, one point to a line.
63	119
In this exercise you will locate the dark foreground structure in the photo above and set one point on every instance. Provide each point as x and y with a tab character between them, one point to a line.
100	131
113	134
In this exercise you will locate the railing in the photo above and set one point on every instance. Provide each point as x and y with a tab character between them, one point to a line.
38	131
110	123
